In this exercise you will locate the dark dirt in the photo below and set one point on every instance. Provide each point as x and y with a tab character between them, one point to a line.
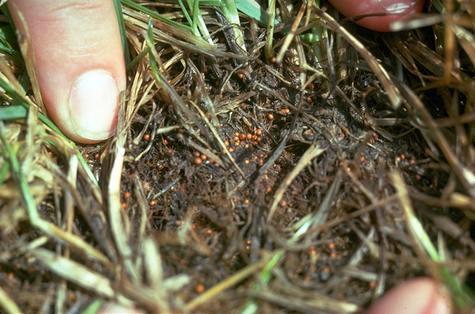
267	122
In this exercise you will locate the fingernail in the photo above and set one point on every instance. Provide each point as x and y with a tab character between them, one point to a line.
93	104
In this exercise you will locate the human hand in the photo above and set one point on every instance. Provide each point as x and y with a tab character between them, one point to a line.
77	55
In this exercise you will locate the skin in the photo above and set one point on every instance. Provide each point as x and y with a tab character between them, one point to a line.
415	296
385	11
77	56
67	39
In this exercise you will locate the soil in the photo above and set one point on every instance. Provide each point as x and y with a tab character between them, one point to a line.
210	213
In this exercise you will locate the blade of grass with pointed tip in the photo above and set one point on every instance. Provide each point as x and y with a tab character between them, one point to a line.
137	59
153	268
153	263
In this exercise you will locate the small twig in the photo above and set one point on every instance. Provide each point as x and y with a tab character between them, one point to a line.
291	35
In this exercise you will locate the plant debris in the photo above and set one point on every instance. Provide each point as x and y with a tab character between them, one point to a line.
269	157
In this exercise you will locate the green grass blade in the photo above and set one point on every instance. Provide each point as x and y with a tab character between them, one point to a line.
250	8
196	15
254	10
6	46
185	12
4	171
7	304
123	38
231	13
17	174
137	59
268	50
16	112
154	14
170	26
20	100
197	22
93	307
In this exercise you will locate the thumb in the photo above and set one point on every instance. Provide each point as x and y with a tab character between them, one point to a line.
77	56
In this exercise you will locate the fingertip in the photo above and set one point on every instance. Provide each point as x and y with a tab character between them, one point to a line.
78	62
416	296
378	15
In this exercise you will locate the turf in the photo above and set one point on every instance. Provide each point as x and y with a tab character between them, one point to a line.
271	157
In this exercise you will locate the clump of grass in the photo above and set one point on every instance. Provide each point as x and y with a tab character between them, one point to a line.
269	155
